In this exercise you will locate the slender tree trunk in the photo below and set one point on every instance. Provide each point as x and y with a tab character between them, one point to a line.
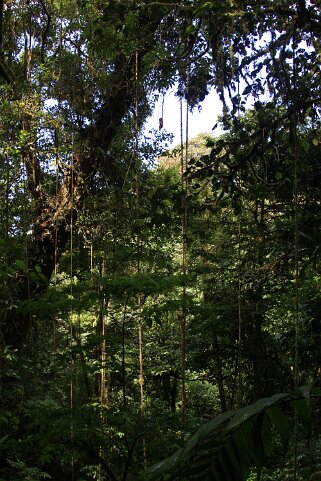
219	372
3	70
103	371
1	29
257	354
182	315
7	197
257	303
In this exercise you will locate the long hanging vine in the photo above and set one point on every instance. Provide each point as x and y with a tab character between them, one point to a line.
7	201
238	370
103	348
139	300
138	247
71	328
73	334
57	164
184	160
294	134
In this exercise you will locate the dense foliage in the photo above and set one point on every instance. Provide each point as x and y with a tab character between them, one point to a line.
145	291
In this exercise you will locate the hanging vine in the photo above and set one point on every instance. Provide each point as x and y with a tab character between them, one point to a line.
294	135
184	161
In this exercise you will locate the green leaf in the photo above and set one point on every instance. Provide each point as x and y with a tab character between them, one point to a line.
22	265
240	444
163	467
280	423
43	277
249	411
228	446
231	456
263	436
203	433
225	466
302	404
4	439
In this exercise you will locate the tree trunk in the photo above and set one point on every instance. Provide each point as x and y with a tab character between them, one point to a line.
1	29
52	218
219	372
256	303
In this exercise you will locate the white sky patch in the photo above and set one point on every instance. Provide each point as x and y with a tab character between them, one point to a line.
199	121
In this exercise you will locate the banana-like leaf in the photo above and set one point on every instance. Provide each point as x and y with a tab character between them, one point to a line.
228	446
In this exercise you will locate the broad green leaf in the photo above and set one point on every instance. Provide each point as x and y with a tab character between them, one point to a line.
22	265
4	439
242	452
224	472
163	467
280	423
230	445
203	433
263	435
247	412
302	404
213	474
43	277
232	458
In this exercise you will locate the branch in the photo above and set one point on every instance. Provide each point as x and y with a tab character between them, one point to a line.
3	73
1	27
90	450
130	456
45	34
168	4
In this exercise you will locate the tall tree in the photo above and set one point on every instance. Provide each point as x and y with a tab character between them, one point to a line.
71	73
